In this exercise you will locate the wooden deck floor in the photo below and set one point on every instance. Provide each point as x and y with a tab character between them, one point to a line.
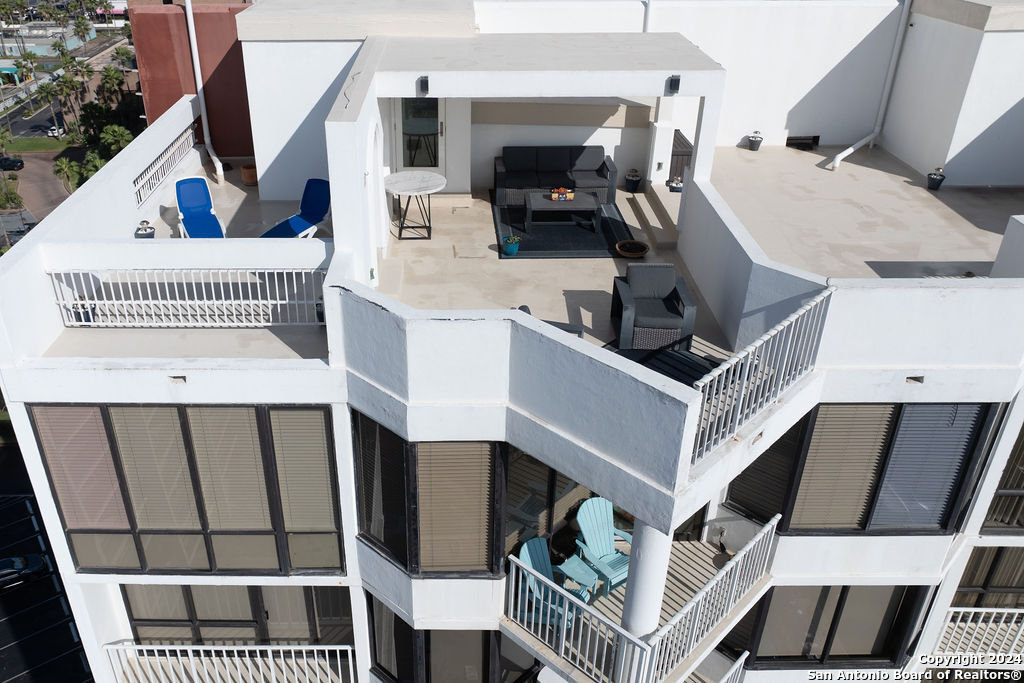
692	565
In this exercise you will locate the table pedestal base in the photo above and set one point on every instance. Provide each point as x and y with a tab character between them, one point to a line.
424	209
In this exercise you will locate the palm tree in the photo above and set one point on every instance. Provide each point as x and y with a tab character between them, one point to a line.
81	29
92	163
124	58
66	87
111	81
115	138
65	169
60	50
6	138
48	93
84	71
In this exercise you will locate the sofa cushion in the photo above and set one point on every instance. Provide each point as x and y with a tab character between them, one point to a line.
552	159
553	179
519	158
520	179
587	158
651	281
657	313
589	179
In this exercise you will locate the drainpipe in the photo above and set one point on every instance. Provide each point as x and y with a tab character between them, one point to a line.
198	73
647	14
890	76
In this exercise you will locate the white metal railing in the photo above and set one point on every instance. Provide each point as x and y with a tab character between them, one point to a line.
574	631
982	630
147	181
189	297
742	386
736	671
231	664
676	640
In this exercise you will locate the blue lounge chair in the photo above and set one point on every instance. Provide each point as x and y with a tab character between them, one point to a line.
195	209
540	605
598	544
316	199
535	555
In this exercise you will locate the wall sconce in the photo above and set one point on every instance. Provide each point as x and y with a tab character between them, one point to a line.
672	86
424	85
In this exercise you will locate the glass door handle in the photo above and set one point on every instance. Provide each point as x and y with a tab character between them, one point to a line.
440	128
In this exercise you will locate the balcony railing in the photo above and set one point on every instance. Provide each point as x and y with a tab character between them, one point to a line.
189	297
676	640
736	671
578	634
742	386
146	182
231	664
989	631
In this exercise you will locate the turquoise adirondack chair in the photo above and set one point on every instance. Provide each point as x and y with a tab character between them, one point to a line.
534	554
598	543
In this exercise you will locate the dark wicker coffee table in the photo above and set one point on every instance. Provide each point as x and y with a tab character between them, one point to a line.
583	207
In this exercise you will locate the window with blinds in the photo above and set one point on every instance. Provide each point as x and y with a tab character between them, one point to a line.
381	464
843	465
239	615
152	452
229	460
77	456
930	452
455	484
237	489
306	487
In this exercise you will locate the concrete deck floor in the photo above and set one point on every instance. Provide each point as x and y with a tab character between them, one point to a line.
459	268
238	206
873	217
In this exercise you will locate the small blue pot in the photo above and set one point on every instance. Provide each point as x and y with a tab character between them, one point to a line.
510	248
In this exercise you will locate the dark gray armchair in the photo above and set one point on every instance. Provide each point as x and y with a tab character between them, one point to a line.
652	308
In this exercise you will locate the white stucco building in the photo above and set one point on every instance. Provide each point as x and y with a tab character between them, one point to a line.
320	459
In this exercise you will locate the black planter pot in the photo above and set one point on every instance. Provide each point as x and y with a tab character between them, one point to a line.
754	142
935	180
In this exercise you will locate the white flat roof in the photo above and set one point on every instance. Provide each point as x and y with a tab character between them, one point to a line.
302	20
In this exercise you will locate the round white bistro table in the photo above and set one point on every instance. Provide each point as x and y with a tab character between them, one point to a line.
418	184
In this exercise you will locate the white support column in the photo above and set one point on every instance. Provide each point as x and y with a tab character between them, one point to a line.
648	569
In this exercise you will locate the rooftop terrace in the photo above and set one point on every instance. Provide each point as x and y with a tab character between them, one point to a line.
873	217
459	269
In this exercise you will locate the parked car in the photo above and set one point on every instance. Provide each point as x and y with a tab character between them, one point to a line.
17	570
11	164
56	131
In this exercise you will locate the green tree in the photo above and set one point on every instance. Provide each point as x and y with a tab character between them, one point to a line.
84	71
66	170
6	138
126	31
81	29
92	163
124	59
115	138
60	50
111	81
67	89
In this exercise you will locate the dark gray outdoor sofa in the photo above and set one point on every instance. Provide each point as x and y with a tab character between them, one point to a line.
586	169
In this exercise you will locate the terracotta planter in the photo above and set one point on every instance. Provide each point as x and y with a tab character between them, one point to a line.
249	174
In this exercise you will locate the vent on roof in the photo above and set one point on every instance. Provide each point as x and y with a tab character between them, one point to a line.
804	142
